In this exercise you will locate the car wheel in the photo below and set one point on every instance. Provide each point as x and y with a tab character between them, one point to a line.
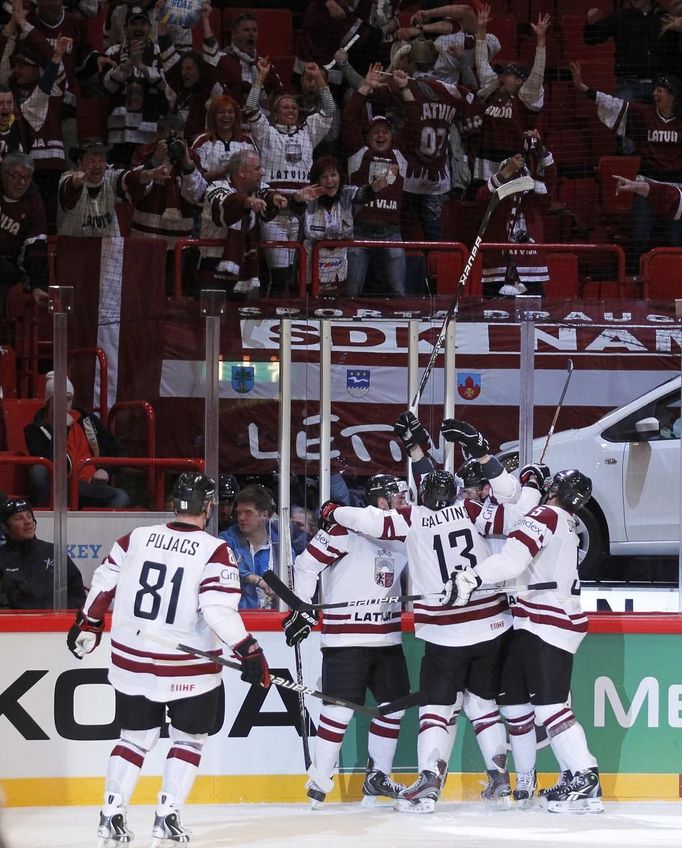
591	553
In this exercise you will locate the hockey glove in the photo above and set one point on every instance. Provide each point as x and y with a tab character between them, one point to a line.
298	624
84	636
535	475
327	512
411	431
255	668
473	442
458	589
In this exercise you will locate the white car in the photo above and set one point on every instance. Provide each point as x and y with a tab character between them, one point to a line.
632	456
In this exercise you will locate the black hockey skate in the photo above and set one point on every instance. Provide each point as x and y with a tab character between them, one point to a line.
113	830
526	784
581	795
378	785
497	792
422	795
168	830
565	778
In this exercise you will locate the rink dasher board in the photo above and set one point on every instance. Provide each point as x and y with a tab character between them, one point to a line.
57	730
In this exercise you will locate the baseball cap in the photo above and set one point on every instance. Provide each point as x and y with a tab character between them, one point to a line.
514	68
137	12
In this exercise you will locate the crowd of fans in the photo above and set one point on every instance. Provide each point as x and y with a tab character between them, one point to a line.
385	114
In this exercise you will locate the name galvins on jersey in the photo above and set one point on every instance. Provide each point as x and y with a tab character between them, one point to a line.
541	548
353	566
163	576
439	542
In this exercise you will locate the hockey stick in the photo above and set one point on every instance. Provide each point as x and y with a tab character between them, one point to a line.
285	557
295	603
569	369
281	682
521	184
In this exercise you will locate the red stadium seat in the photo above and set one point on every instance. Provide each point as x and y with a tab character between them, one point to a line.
275	29
626	166
16	414
570	148
662	273
563	275
445	270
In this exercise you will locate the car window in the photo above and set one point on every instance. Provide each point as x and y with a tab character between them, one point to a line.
665	409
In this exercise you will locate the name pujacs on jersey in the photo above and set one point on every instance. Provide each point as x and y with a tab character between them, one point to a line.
163	576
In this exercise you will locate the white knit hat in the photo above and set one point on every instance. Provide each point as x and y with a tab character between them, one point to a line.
49	386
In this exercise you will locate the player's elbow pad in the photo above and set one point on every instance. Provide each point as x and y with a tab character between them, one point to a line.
225	622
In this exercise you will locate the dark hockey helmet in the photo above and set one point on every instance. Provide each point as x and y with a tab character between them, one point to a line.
192	492
381	486
472	475
13	506
437	489
228	488
571	488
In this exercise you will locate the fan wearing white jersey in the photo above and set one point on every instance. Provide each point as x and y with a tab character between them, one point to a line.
549	626
463	652
361	646
177	582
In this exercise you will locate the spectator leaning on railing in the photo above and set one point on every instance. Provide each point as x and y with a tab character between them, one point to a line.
86	437
656	130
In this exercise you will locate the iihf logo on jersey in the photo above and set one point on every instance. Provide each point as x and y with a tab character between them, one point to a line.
469	386
357	382
242	379
384	572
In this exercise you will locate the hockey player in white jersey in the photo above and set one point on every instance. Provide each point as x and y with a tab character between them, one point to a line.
361	646
463	652
549	626
177	581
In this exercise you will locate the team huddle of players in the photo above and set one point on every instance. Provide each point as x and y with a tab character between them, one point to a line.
494	561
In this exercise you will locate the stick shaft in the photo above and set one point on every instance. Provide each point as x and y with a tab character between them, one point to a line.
519	185
550	432
292	600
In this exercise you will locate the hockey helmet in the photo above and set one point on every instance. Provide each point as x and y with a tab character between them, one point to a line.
192	492
438	489
472	475
228	488
13	506
382	486
571	488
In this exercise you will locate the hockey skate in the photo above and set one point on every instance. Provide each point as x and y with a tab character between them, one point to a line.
497	792
581	795
168	830
113	830
315	795
564	779
422	795
378	785
526	784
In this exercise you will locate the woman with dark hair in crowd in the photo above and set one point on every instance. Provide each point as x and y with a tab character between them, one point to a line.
190	80
328	214
222	139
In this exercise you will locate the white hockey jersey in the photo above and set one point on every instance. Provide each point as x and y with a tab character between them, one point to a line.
353	566
439	542
542	548
163	576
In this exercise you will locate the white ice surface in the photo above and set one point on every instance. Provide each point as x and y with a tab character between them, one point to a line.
453	825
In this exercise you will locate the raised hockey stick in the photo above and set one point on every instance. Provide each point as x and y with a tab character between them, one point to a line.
295	603
569	370
413	699
517	186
